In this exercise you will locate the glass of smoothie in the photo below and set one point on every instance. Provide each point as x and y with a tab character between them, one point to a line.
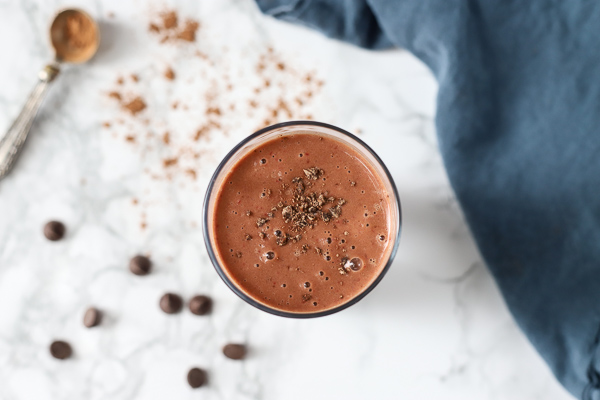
302	219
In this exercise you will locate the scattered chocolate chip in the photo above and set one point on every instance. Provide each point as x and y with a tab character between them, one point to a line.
171	303
196	377
248	237
60	350
261	221
54	230
313	173
282	239
200	305
235	351
140	265
92	317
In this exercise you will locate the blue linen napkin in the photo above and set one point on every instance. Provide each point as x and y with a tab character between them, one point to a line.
518	120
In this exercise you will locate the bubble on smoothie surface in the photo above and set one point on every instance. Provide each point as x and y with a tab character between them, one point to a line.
270	255
355	264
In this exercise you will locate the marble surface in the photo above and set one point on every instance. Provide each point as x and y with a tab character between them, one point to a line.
435	328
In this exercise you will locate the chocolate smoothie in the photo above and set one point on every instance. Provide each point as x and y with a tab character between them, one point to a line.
302	223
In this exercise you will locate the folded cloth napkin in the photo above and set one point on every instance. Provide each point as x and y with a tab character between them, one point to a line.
518	120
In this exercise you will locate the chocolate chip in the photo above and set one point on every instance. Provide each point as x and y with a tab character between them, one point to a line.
54	230
200	305
171	303
196	377
234	351
92	317
60	350
140	265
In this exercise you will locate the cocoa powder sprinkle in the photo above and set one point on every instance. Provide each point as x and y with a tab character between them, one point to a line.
169	74
169	19
135	106
189	31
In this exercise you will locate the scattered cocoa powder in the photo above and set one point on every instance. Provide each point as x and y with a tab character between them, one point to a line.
115	95
191	173
169	162
135	106
169	74
168	27
189	31
169	19
166	138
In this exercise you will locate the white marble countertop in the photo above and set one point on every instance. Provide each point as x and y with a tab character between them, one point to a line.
435	328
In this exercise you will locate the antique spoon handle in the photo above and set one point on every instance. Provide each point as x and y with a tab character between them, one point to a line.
12	143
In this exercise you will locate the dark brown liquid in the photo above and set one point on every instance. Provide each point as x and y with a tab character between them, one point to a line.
333	261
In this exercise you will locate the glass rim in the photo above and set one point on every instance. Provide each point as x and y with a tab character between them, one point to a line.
235	288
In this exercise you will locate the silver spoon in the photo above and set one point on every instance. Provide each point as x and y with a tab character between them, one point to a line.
75	37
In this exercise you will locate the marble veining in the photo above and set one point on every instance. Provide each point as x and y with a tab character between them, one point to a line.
435	328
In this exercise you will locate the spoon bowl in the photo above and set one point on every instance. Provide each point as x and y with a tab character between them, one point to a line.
74	35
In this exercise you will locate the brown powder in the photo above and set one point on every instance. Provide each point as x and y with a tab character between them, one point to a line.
135	78
213	110
170	22
169	74
166	138
79	31
189	31
135	106
191	173
130	138
201	132
169	19
115	95
170	162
